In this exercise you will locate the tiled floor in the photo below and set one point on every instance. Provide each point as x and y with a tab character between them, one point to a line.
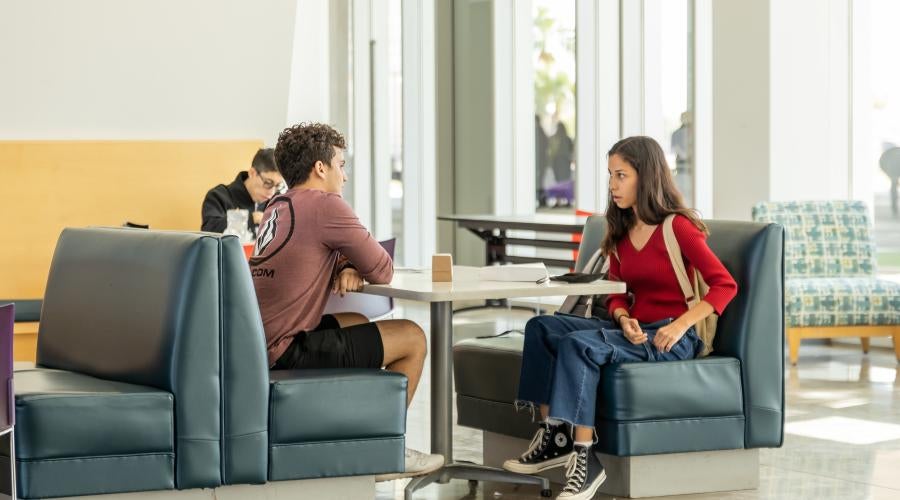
842	438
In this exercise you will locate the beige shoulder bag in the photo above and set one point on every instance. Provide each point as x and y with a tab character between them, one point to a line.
693	290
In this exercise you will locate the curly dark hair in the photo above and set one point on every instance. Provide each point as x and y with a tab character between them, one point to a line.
301	146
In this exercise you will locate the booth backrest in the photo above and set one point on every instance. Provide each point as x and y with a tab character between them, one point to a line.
245	373
591	237
752	326
166	310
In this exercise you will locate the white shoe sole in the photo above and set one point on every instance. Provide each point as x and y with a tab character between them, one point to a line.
406	475
513	465
588	493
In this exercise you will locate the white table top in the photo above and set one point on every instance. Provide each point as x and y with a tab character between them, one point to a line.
417	285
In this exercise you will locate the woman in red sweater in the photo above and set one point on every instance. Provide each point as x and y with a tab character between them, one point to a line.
563	353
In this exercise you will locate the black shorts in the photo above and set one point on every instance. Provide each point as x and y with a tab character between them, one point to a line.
330	346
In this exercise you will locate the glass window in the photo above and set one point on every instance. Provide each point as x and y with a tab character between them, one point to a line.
341	95
667	117
395	69
554	94
884	78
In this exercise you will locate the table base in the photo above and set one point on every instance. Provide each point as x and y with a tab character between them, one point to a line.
474	473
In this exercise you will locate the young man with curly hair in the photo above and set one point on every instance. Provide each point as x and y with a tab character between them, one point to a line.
311	244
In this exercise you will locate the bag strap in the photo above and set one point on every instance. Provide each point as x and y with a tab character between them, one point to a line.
604	269
590	267
592	262
572	301
674	251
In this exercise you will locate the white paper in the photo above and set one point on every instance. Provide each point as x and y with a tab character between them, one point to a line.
514	272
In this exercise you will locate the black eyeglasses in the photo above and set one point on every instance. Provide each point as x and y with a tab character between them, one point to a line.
270	184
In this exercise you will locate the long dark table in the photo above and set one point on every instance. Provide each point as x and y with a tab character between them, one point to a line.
493	230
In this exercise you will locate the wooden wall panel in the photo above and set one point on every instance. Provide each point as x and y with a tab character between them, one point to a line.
46	186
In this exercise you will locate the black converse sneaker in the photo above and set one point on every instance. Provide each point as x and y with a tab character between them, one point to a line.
550	447
584	475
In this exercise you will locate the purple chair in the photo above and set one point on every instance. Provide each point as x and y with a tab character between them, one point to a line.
371	306
564	190
7	413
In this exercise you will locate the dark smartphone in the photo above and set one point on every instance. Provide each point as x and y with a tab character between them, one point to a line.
577	277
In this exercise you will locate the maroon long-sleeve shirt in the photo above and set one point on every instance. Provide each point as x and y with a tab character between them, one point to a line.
650	278
302	236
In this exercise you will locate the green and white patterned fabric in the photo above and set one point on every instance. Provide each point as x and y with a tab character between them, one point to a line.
829	260
823	238
841	302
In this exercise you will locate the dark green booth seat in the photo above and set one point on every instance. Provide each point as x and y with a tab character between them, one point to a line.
151	374
733	399
681	406
26	310
80	428
327	423
126	393
645	408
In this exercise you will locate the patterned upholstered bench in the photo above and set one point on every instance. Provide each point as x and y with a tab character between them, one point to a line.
831	289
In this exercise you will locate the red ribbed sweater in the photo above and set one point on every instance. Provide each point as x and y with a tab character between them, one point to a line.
650	278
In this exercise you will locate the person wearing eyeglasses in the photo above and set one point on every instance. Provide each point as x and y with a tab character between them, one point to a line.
251	190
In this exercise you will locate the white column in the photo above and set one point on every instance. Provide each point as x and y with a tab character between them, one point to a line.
740	107
514	162
419	132
597	101
810	100
308	99
653	122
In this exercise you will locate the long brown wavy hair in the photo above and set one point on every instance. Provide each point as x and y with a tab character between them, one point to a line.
657	196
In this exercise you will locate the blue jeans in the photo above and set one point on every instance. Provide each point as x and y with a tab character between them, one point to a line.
563	356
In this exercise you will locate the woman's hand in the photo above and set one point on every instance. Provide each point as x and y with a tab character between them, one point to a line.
632	330
348	281
669	335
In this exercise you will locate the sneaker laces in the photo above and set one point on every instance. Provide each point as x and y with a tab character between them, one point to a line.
576	471
538	443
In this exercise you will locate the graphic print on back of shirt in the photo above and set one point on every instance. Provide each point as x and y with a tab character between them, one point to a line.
276	230
266	233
